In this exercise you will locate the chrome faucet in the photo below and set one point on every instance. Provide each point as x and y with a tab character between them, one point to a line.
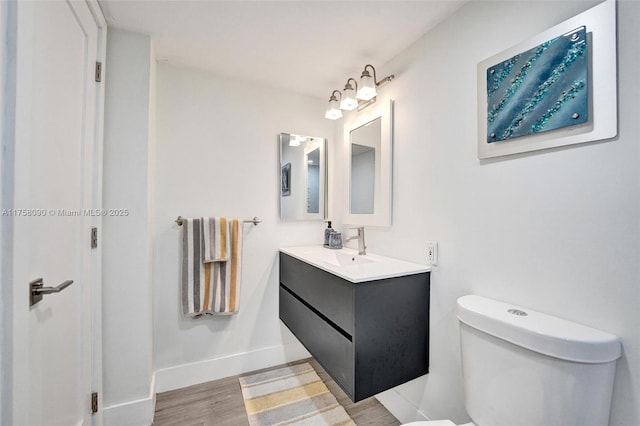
362	249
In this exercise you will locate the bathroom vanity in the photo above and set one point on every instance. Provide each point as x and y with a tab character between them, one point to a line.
364	318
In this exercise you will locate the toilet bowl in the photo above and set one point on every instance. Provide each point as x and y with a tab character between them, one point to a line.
525	367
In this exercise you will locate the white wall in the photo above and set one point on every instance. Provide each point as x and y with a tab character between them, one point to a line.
217	154
126	298
557	231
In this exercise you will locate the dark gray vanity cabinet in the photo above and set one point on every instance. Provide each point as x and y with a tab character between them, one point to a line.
369	336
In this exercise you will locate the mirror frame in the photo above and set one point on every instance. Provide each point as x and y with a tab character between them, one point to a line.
322	144
380	218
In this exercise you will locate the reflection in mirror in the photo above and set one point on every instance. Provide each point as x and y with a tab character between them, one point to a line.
368	151
363	162
303	177
365	166
313	181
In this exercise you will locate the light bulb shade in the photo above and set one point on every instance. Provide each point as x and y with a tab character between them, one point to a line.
333	110
367	87
349	101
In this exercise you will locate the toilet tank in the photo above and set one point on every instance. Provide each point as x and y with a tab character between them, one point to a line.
522	367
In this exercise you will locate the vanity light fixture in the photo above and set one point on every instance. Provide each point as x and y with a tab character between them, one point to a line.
296	140
349	101
369	83
333	110
363	95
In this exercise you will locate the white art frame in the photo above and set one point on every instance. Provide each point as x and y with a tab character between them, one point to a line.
600	22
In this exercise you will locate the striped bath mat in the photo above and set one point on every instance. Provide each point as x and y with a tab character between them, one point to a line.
291	396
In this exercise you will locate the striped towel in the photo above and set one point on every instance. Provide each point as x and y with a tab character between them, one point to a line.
216	242
212	287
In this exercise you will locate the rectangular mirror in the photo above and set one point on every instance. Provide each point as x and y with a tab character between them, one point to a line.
303	177
368	140
365	166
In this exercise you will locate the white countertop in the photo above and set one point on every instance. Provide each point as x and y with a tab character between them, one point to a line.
347	264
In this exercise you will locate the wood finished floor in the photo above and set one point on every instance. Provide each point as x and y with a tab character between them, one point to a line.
220	403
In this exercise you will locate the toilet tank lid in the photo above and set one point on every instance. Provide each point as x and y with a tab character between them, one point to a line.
538	332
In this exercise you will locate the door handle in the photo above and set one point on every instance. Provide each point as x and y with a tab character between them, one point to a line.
37	290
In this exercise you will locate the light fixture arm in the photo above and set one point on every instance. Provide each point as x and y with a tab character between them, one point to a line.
333	110
375	77
348	86
366	73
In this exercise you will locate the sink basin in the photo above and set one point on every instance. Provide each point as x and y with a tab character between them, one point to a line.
344	259
338	257
348	264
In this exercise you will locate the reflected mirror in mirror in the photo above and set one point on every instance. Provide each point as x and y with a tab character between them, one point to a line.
313	181
303	194
368	147
365	166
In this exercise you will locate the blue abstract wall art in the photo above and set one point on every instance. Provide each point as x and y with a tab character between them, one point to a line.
544	88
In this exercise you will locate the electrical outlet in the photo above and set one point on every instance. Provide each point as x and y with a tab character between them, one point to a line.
432	253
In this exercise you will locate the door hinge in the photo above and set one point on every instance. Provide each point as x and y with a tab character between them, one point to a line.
94	238
94	402
98	72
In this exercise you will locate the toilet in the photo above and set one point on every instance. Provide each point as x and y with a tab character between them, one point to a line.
522	367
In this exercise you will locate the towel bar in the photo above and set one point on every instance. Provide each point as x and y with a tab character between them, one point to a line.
255	220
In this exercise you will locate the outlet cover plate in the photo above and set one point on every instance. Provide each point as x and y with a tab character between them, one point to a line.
432	253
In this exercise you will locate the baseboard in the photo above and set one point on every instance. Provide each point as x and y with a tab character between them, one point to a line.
132	413
195	373
140	412
400	407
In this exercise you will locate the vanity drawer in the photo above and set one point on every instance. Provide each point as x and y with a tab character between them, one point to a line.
333	350
330	295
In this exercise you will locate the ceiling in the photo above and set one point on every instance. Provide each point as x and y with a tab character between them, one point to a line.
309	47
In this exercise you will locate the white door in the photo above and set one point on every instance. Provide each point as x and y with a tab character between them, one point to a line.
56	138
